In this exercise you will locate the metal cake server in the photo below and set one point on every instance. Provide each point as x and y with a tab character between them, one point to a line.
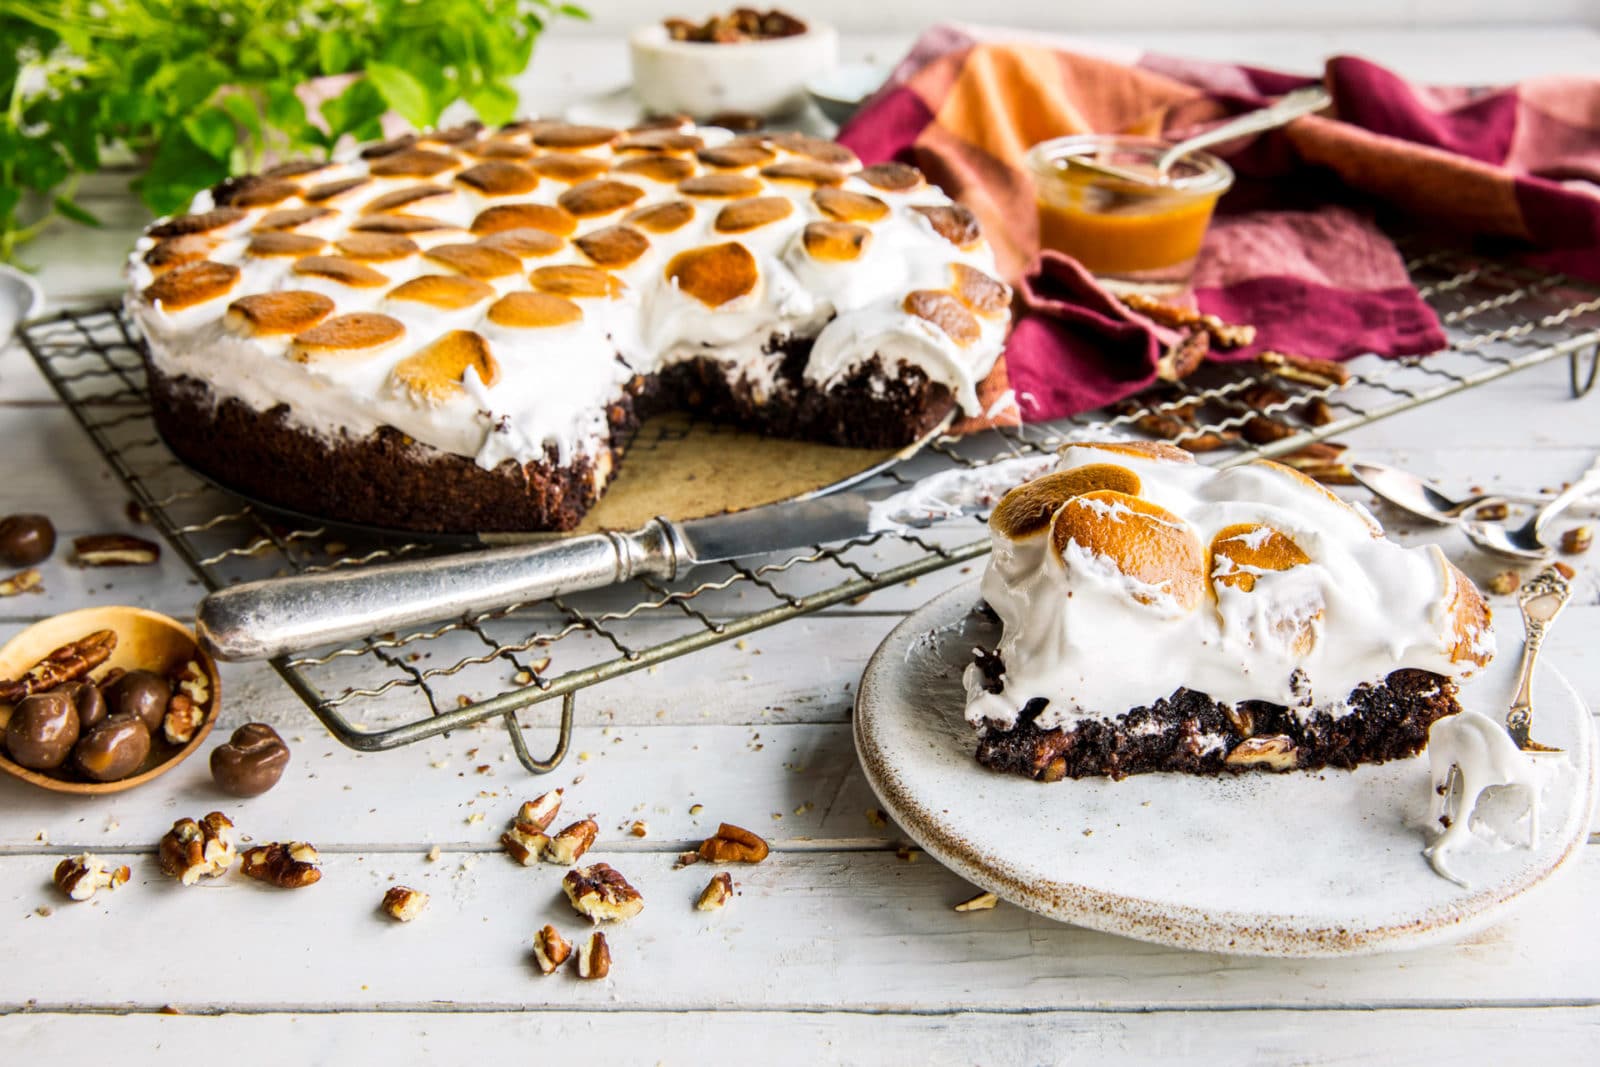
1541	600
264	619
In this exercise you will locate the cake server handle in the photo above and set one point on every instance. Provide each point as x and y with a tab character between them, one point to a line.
277	616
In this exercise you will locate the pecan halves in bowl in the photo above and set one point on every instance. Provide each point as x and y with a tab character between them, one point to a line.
68	663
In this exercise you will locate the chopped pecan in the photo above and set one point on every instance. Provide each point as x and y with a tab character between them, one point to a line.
1491	512
1317	411
733	844
27	581
402	903
981	902
1222	334
550	949
1276	752
292	865
541	811
81	876
600	893
716	894
1505	583
1307	371
1264	429
192	850
114	550
192	681
1184	356
568	846
1320	461
524	844
182	719
594	957
68	663
1578	539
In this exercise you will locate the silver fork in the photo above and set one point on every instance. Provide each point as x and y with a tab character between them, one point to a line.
1541	600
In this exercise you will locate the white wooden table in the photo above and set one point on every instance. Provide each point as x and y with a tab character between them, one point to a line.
838	948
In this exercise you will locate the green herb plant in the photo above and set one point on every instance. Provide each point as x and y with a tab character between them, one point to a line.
195	90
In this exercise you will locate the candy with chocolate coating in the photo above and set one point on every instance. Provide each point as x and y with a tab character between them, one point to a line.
26	539
251	762
142	694
42	731
114	749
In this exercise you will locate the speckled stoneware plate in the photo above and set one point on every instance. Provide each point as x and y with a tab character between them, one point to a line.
1302	864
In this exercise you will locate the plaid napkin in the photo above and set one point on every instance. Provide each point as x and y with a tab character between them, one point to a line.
1294	250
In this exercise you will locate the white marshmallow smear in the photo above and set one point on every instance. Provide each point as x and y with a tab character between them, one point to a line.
1481	754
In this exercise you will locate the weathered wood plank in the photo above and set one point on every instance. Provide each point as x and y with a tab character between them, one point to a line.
1422	1038
861	931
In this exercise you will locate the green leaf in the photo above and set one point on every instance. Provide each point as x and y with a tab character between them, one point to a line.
403	92
495	104
336	52
573	11
243	113
213	131
179	169
356	112
75	213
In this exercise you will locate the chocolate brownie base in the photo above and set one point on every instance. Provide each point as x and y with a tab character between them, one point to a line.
1386	721
388	480
384	479
868	409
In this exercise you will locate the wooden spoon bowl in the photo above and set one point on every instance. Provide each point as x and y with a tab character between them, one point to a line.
145	640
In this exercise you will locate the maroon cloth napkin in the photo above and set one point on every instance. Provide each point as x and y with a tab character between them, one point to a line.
1294	250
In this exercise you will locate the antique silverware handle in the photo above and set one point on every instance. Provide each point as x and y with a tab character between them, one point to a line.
265	619
1541	601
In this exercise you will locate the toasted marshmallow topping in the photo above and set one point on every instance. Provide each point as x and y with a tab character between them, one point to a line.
1130	572
578	258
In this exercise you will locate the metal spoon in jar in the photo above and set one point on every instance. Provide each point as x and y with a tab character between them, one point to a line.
1288	108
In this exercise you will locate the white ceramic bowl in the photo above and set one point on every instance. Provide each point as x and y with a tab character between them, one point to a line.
763	77
20	299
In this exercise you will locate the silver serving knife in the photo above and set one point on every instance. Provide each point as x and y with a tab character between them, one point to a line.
276	616
1541	601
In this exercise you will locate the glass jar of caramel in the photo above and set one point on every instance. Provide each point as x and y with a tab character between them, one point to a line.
1102	202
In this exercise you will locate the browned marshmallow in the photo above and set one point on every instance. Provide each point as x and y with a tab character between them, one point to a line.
347	338
289	311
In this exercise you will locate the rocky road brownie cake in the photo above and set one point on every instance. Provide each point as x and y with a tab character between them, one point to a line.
1160	615
455	331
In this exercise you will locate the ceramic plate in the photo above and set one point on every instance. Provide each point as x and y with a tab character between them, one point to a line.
1325	863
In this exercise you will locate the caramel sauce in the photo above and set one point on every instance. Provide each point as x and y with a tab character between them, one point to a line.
1115	227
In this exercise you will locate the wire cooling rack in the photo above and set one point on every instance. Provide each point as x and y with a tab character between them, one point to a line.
392	689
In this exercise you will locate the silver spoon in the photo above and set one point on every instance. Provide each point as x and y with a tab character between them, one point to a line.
1526	542
1288	108
1411	494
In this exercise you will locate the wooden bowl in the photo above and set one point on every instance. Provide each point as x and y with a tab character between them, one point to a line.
145	639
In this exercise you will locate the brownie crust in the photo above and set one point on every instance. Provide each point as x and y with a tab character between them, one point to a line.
386	479
383	479
1385	721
